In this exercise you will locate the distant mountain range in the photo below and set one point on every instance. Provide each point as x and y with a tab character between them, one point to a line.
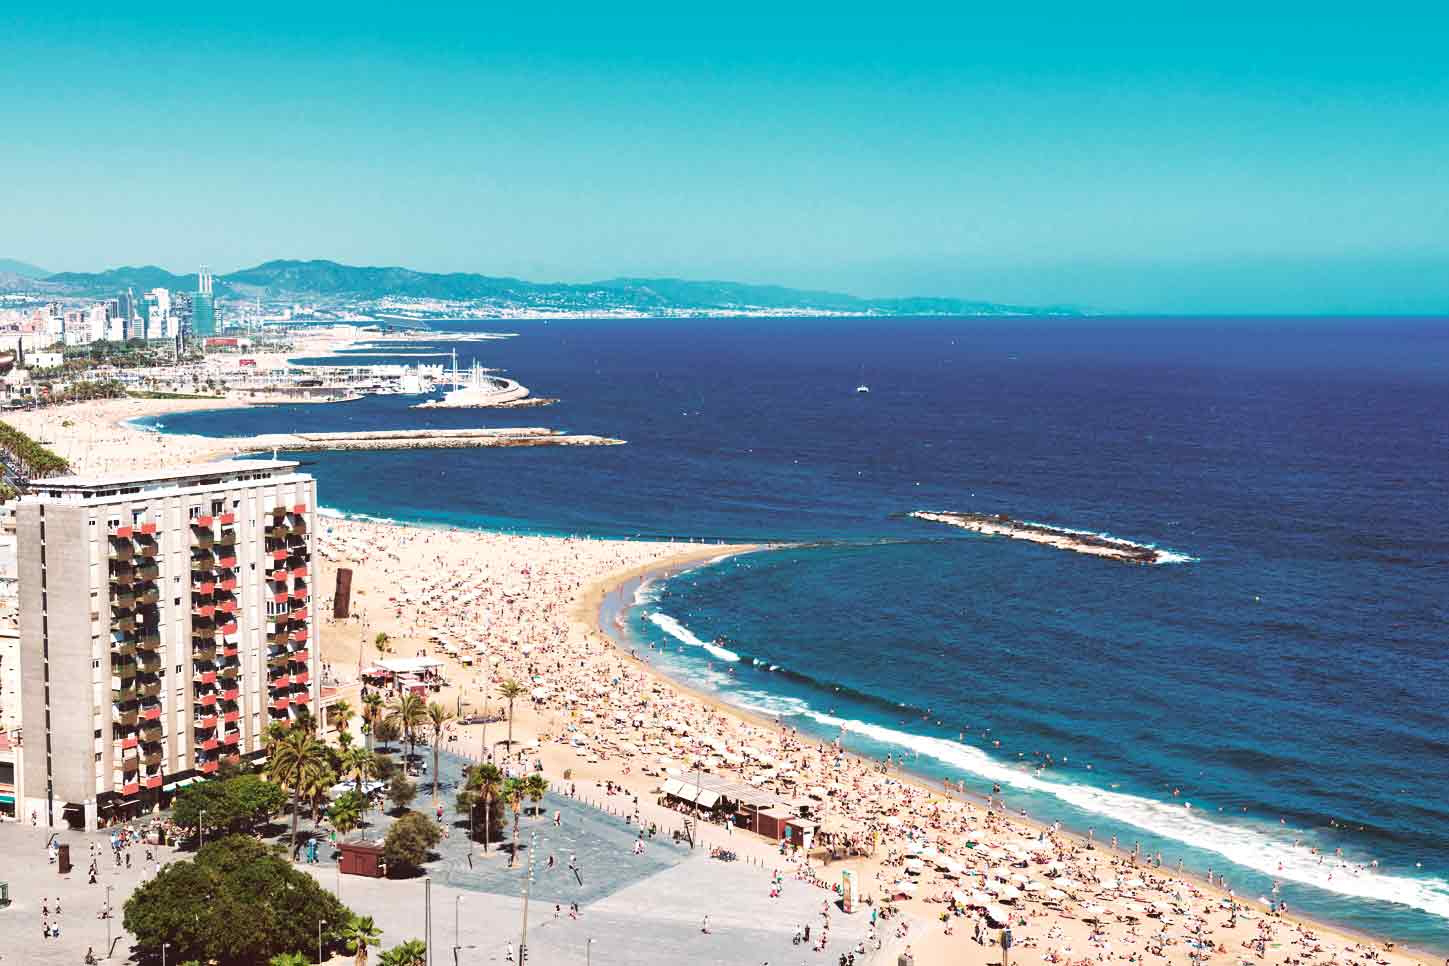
332	282
9	266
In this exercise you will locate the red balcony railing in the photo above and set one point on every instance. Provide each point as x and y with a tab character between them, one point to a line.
209	744
148	528
151	714
301	677
231	716
207	767
280	704
228	584
202	521
128	743
206	721
226	561
207	700
153	781
300	656
301	697
131	788
227	519
299	572
232	737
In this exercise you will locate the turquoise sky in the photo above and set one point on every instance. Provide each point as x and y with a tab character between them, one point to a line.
1139	157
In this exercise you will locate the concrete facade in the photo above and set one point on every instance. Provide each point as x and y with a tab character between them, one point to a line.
164	624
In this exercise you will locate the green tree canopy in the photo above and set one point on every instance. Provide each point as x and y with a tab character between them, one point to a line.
239	902
236	804
408	842
414	952
401	791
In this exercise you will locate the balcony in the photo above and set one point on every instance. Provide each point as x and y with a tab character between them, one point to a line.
130	763
280	555
150	731
301	677
148	529
121	550
121	532
129	742
227	561
124	695
209	744
204	611
125	647
126	623
280	704
205	588
124	599
150	713
150	689
280	576
151	759
205	721
299	636
280	682
300	655
131	788
279	597
232	737
299	509
153	781
149	597
227	519
230	694
229	649
205	677
299	572
203	523
228	584
299	614
146	548
149	662
207	767
148	641
203	650
301	697
207	700
231	717
124	716
122	574
228	606
227	538
148	571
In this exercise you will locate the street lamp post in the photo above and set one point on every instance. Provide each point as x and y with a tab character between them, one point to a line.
164	947
320	924
201	828
108	922
589	952
527	882
456	947
428	916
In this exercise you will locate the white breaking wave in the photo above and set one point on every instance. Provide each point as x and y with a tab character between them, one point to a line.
681	633
1252	848
646	593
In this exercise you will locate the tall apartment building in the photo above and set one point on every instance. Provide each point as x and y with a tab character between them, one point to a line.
164	624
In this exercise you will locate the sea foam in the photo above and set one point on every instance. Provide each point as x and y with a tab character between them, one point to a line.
1251	847
683	634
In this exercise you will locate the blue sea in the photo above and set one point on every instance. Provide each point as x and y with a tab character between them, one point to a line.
1286	682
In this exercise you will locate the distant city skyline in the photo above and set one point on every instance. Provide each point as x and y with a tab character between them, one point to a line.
1126	159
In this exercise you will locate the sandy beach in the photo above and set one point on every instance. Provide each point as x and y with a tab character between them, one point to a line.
497	607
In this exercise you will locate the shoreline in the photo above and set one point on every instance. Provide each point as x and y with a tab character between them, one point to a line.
584	610
592	599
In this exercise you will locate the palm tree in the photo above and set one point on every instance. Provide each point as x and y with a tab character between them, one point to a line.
534	786
438	718
484	784
372	713
410	712
315	788
387	730
289	959
294	762
414	952
338	716
513	794
358	764
508	691
346	814
359	933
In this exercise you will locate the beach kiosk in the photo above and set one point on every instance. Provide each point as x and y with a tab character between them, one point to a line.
361	858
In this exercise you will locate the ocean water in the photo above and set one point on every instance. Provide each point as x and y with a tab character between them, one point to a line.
1287	682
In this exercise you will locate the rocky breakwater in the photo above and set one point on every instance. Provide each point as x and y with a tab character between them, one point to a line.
422	439
1077	541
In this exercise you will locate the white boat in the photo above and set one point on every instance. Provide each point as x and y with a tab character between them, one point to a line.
862	388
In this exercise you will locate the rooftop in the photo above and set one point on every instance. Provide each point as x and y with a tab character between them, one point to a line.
200	474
